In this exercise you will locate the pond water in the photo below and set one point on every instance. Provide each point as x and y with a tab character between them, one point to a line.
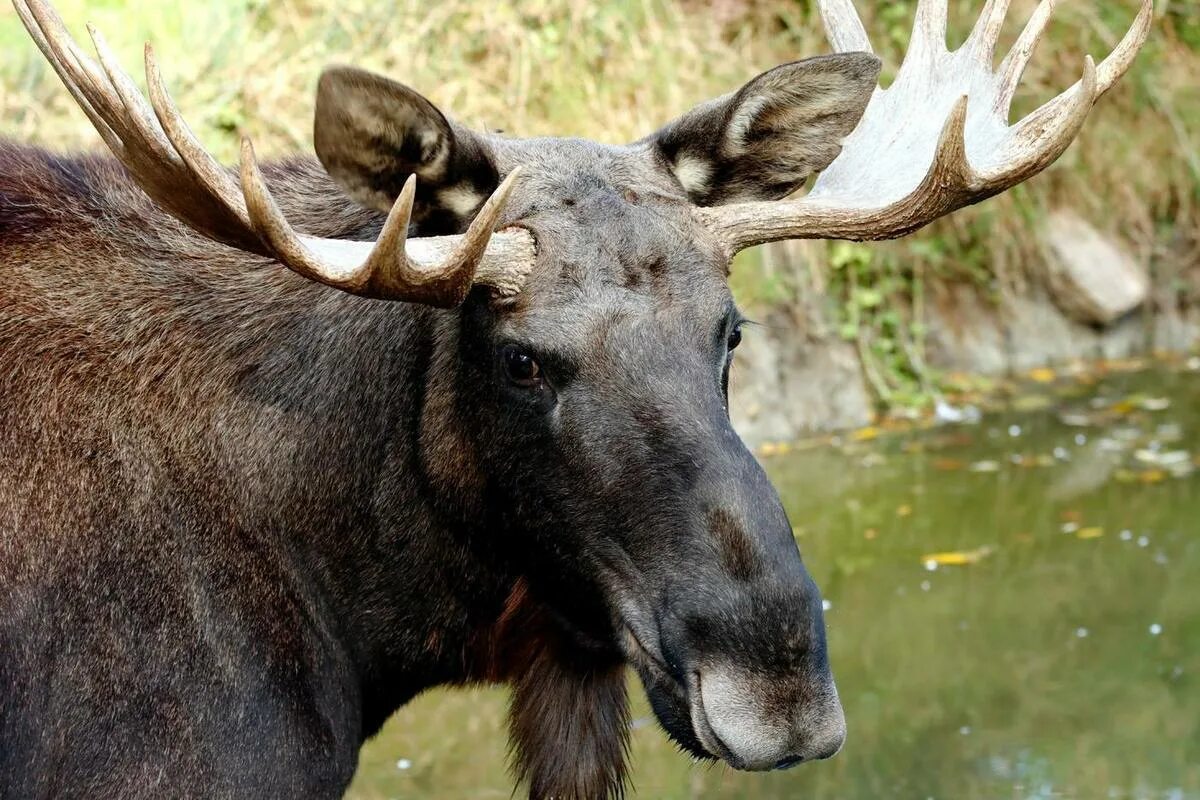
1014	613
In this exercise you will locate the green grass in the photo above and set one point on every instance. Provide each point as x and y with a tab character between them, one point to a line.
615	71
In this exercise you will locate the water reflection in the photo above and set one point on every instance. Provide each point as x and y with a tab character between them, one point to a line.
1013	605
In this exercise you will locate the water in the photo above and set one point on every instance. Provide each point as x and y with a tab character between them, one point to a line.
1014	612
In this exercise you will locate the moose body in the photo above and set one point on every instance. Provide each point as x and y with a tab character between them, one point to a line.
194	597
245	516
476	432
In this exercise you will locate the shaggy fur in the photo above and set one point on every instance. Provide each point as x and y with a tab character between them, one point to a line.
245	517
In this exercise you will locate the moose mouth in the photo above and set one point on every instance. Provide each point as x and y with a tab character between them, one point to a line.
684	698
679	705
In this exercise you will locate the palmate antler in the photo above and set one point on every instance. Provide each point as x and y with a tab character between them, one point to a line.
938	138
172	167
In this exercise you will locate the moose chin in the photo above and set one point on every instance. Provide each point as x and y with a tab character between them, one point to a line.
284	445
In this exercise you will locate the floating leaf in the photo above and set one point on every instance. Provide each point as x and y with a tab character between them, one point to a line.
1042	375
1125	407
948	464
1089	533
904	511
985	466
865	434
956	558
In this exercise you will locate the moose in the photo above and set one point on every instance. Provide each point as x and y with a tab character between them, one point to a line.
284	445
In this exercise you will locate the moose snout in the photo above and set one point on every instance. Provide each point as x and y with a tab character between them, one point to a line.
755	724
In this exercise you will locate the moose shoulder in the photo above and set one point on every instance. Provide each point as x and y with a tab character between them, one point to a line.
281	449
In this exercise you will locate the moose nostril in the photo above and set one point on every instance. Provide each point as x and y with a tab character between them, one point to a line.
789	762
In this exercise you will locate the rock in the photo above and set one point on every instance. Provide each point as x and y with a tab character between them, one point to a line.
1090	276
965	332
1026	331
1039	333
786	384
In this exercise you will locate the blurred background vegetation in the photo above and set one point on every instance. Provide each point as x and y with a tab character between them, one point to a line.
615	71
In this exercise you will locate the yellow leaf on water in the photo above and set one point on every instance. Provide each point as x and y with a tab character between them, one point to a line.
1089	533
865	434
1153	476
957	558
1042	375
904	511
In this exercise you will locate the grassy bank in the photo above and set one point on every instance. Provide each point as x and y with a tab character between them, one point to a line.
615	71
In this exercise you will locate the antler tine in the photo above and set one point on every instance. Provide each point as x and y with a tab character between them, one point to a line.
951	167
48	34
1013	66
930	18
468	257
983	38
139	116
161	129
202	165
928	39
1039	139
1121	58
389	270
282	240
843	26
126	123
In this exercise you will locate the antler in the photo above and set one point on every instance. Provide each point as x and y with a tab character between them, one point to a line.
172	167
938	138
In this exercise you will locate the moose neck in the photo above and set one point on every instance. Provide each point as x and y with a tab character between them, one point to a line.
264	423
404	508
416	509
305	445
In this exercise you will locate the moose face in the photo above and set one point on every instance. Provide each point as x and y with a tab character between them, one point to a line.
594	402
612	381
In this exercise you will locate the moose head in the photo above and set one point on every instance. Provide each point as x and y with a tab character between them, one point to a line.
579	425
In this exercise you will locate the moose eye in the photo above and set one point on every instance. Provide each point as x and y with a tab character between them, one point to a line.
735	337
520	367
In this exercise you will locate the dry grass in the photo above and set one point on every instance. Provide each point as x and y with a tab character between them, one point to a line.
615	71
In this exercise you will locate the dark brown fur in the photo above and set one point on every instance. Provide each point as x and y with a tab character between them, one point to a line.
245	517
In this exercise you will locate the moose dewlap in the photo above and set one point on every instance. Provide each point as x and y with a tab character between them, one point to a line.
283	446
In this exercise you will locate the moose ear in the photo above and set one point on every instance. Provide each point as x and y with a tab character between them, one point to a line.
763	141
371	133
